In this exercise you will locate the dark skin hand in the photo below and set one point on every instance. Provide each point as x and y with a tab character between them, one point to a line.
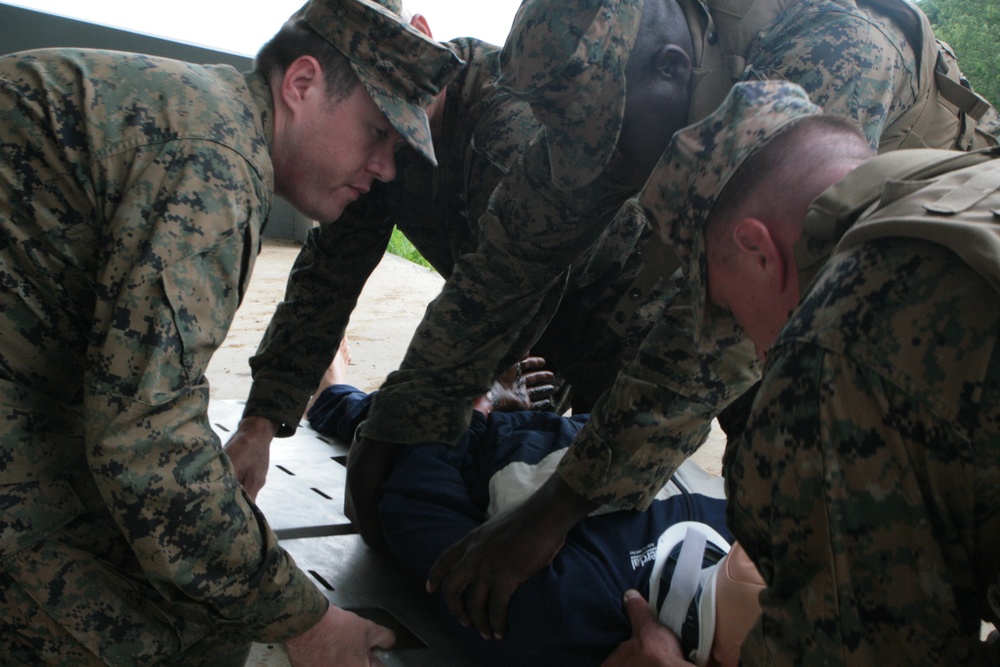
479	573
524	386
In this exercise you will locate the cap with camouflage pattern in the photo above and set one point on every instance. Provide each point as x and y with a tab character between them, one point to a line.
699	162
567	60
400	67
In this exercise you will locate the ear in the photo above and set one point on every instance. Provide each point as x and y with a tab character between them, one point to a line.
760	251
420	23
673	64
302	77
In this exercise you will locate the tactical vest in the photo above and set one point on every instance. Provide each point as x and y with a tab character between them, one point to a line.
945	197
946	114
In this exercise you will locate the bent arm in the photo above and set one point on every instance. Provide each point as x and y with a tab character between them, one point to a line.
658	411
494	305
166	301
323	288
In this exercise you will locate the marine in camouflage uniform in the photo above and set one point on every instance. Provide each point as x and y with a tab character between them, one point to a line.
483	131
859	60
534	231
132	194
867	485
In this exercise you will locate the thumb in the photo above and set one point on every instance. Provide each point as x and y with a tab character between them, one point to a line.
638	610
380	637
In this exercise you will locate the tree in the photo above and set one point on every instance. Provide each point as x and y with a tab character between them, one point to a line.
971	28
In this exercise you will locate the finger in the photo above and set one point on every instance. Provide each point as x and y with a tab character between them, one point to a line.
541	405
452	588
541	391
380	637
476	606
499	600
529	363
539	377
638	610
444	564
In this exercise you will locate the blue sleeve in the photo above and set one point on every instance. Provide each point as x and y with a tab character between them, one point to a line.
338	410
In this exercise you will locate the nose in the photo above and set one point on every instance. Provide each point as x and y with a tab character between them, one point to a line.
383	162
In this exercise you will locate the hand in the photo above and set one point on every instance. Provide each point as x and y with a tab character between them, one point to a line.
478	574
250	449
340	638
524	386
652	643
369	463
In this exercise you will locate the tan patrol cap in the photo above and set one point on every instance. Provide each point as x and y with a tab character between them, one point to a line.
567	60
698	164
398	65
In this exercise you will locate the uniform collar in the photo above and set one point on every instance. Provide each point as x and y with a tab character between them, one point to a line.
260	93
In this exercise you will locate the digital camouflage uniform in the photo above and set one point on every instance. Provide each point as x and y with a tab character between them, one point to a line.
853	60
867	485
483	130
132	194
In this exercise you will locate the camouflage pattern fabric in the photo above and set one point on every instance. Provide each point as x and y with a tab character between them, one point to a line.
652	416
869	476
865	489
700	161
569	63
484	130
400	67
130	225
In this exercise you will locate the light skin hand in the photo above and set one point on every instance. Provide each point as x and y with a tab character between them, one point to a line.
478	575
652	644
340	638
249	449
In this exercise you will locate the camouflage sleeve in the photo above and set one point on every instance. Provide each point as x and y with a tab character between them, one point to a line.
165	301
850	61
492	307
658	411
323	289
849	544
866	485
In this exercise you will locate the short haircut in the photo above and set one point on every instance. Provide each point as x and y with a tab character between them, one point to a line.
784	164
297	39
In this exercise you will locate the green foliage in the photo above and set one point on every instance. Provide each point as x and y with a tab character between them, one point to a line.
400	245
971	27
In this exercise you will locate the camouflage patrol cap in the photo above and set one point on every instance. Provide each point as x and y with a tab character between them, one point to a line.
394	6
700	160
399	66
567	60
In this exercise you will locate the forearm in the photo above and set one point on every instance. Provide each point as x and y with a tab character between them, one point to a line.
656	414
302	337
843	591
467	337
874	77
492	308
153	456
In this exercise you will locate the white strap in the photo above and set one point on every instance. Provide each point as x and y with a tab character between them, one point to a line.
685	580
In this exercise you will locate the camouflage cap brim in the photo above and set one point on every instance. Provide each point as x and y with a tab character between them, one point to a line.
567	60
399	66
700	161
